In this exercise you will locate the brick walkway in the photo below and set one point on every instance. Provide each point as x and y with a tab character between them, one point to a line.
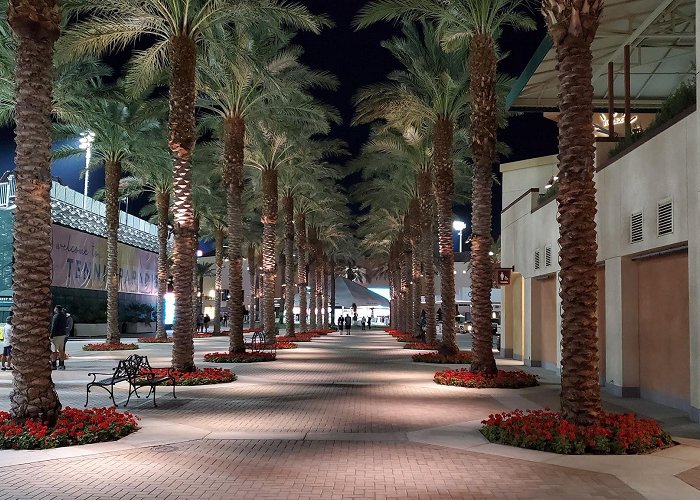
335	418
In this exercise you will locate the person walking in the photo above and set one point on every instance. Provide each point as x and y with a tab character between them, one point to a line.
348	324
7	344
369	323
200	322
58	338
364	322
207	319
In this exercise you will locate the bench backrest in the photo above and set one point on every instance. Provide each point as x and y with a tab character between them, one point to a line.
133	366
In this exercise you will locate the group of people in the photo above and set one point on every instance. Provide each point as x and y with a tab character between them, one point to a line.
61	329
203	322
345	323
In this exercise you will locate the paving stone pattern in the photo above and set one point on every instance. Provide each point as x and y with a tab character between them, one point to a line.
364	383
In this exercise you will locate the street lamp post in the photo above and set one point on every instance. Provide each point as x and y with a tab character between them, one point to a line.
458	225
86	140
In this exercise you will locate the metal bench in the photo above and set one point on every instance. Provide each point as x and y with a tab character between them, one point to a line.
259	343
137	371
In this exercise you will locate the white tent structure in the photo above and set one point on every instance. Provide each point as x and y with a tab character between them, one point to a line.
348	292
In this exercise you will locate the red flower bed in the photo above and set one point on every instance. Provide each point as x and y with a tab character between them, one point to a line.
109	347
201	335
73	427
202	376
285	345
463	357
420	345
155	340
462	377
548	431
246	357
297	337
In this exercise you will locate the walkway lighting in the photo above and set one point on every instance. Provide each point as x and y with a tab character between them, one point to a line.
86	140
458	225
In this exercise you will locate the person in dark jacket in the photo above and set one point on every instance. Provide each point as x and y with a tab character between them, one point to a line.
58	338
341	324
348	324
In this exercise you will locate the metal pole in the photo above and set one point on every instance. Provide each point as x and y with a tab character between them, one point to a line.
628	92
88	154
611	101
460	241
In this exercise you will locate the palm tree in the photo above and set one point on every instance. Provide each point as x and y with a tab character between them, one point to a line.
573	27
178	30
249	75
476	25
214	227
36	27
429	93
123	135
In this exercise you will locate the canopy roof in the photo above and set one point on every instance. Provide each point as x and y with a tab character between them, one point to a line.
661	36
348	292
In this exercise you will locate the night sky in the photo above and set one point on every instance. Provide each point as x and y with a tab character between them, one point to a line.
357	59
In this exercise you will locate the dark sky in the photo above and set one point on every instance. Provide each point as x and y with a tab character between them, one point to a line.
357	59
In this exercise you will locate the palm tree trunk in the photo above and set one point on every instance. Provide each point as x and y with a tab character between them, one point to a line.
332	285
288	207
181	139
269	220
36	27
312	297
319	292
162	204
112	175
252	267
425	195
407	311
218	278
234	138
300	226
482	86
325	294
444	190
580	389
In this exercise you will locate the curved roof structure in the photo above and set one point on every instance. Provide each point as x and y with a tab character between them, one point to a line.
661	36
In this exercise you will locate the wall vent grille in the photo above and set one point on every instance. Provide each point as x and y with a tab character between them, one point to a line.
547	256
537	259
636	227
665	218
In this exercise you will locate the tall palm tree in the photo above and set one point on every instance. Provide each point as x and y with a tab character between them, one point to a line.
214	228
429	93
572	26
123	135
476	25
249	75
36	25
178	30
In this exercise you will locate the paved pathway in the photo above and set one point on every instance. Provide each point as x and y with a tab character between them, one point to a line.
340	417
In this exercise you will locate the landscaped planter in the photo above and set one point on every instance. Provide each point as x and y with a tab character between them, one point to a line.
425	346
90	329
155	340
140	328
202	376
245	357
548	431
462	377
110	347
73	427
463	357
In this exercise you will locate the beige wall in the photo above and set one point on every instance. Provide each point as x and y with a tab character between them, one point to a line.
544	334
600	312
526	174
664	167
664	371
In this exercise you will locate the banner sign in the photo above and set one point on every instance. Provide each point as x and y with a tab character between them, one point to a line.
80	261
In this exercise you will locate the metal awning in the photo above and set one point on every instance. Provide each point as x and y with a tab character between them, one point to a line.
661	36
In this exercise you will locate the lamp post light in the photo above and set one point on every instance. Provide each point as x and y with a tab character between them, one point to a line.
86	140
458	225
